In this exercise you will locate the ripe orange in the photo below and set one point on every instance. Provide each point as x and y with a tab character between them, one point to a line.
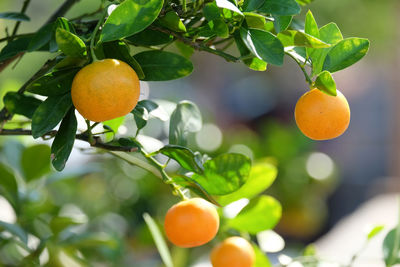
233	252
320	116
105	90
191	223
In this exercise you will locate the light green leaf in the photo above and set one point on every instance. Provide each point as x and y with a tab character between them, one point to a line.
375	231
70	44
326	83
130	17
184	156
158	240
172	21
224	174
311	26
262	213
219	27
261	258
35	161
261	176
228	5
297	38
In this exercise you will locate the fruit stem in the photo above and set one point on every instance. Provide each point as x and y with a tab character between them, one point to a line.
93	37
302	67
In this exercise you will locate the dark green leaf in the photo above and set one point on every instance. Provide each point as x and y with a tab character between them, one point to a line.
172	21
219	27
71	62
262	213
50	113
35	161
143	110
15	47
129	142
64	141
130	17
185	119
224	174
281	23
8	183
41	37
70	44
251	5
14	16
54	83
119	50
163	66
15	230
253	63
261	176
326	83
158	240
391	247
263	45
141	116
184	156
149	37
211	11
297	38
21	104
345	53
280	7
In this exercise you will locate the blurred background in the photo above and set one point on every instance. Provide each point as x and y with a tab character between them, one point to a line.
318	183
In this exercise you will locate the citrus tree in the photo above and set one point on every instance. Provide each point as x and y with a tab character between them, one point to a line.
96	63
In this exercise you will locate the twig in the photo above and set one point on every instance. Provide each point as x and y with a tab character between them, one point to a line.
308	79
83	137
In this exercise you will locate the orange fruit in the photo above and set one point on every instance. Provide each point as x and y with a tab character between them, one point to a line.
320	116
105	90
191	223
234	251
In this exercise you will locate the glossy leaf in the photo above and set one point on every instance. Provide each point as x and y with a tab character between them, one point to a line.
253	63
228	5
144	109
251	5
261	176
391	247
280	7
254	20
224	174
185	119
172	21
345	53
281	23
15	230
219	27
54	83
15	47
211	11
50	113
64	141
326	83
35	161
158	240
184	156
21	104
263	45
149	37
130	17
14	16
41	37
297	38
119	50
262	213
311	26
70	44
163	66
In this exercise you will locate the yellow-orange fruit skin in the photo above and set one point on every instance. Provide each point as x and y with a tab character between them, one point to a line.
233	252
191	223
105	90
322	117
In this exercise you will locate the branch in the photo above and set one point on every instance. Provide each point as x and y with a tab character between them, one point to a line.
83	137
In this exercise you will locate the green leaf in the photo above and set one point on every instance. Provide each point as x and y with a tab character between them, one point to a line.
304	2
224	174
185	119
113	125
35	161
158	240
251	5
186	50
184	156
71	62
14	16
281	23
15	230
326	83
143	110
70	44
262	213
297	38
219	27
263	45
345	53
50	113
14	48
149	37
391	247
64	141
211	11
254	20
129	142
41	37
130	17
253	63
261	259
163	66
58	224
228	5
120	50
92	240
21	104
375	231
53	84
311	26
172	21
8	184
280	7
261	176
